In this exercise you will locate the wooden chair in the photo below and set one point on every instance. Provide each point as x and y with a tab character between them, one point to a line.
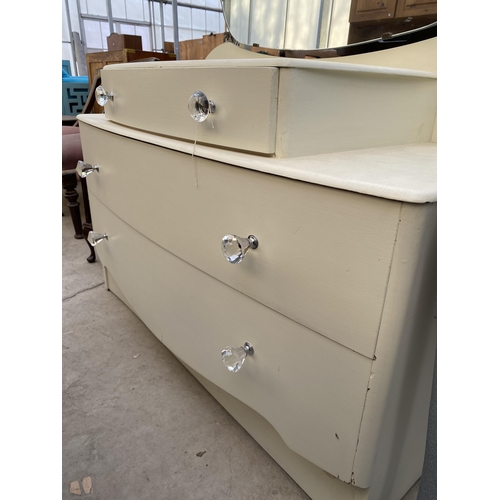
71	154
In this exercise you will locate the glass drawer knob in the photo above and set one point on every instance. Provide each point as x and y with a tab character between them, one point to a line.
102	96
235	248
83	169
234	357
95	238
200	106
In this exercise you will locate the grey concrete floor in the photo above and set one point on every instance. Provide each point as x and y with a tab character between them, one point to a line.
136	424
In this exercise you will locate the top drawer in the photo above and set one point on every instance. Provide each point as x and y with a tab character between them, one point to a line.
155	99
281	108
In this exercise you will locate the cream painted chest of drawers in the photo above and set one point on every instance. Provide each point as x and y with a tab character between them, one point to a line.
338	297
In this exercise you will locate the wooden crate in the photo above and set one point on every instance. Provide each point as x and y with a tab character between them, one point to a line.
198	48
97	60
119	42
169	47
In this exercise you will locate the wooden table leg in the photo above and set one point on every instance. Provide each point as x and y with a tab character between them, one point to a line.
87	225
69	183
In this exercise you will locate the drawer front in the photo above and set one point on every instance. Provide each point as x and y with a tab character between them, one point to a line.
323	257
156	100
312	390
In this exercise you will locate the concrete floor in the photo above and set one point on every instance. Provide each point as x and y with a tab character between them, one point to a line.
136	424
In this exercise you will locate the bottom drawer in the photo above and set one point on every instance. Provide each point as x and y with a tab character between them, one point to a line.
311	389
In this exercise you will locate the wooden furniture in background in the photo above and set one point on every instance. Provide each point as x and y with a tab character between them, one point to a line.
370	10
372	18
198	48
75	90
416	8
71	154
116	41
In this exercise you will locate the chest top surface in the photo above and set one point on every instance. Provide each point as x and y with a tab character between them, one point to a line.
403	173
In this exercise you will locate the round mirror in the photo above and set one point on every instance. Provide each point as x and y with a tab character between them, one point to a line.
293	26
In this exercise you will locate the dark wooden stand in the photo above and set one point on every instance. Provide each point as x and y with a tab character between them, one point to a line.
87	225
69	183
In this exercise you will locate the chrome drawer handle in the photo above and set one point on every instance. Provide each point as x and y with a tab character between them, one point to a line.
200	106
95	238
83	169
102	96
234	357
235	248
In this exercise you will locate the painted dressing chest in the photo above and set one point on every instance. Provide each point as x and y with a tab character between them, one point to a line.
317	180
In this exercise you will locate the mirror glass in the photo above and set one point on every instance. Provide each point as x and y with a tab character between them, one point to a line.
322	24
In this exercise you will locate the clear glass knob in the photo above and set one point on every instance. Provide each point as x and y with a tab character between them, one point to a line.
235	248
102	97
200	106
234	357
83	169
95	238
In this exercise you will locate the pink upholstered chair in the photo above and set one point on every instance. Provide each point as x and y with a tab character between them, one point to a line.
71	154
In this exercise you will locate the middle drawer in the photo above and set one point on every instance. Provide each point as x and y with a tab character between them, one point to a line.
324	254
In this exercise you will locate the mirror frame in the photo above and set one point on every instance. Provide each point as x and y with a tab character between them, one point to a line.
385	41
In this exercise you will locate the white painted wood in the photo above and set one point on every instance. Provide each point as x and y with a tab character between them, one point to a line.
402	173
323	106
324	255
110	284
228	50
393	432
314	481
333	65
358	269
420	56
322	112
312	390
156	100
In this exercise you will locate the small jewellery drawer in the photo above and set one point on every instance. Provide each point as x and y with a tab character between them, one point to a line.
312	390
323	257
156	100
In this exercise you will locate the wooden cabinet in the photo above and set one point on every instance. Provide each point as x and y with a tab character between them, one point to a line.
369	10
371	19
198	48
416	8
378	10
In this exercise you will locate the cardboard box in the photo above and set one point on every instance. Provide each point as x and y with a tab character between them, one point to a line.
119	42
169	47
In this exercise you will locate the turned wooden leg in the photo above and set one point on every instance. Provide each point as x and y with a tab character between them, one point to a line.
86	229
69	183
87	225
